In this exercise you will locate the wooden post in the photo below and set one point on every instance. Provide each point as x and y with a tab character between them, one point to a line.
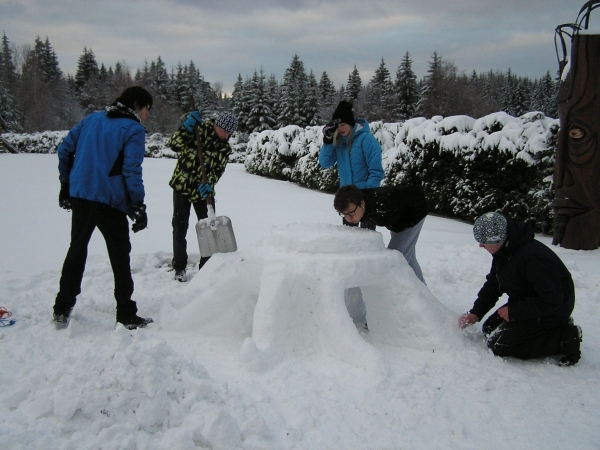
577	167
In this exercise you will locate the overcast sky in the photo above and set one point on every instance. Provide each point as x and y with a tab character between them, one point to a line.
225	38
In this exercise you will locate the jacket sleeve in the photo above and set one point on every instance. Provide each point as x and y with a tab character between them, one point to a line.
180	140
545	280
133	156
372	152
327	156
66	153
488	295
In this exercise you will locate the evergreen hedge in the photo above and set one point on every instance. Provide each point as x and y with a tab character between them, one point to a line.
465	166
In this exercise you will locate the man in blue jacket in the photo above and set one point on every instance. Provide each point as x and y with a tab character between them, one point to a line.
100	171
535	322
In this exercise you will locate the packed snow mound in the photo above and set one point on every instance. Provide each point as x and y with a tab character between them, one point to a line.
286	296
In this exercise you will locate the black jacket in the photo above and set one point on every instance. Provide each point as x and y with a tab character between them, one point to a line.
395	207
538	285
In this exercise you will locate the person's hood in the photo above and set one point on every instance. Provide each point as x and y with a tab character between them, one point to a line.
361	126
517	234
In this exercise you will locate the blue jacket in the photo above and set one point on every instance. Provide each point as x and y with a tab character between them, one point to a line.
361	165
101	158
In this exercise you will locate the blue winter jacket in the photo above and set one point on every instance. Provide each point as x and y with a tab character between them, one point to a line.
101	158
361	165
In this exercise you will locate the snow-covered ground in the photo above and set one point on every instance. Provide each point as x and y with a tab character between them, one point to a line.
257	351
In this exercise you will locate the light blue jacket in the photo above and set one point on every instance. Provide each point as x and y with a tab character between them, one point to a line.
101	158
360	165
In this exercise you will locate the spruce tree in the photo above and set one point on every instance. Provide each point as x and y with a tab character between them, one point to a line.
353	86
259	118
313	113
406	89
292	104
379	105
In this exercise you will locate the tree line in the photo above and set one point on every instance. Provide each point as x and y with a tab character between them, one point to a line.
35	95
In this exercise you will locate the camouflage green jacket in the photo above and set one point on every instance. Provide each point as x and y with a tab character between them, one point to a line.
188	175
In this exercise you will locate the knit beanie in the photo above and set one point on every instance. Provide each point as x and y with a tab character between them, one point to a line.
227	121
490	228
344	113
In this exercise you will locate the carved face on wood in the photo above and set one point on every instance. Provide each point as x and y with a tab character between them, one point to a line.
577	169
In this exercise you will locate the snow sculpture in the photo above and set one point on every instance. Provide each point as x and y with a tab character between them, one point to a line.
285	297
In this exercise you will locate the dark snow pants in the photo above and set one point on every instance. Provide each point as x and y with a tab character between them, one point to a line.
181	223
524	340
113	225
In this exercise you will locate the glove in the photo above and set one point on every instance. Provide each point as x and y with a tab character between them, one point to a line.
192	120
204	189
329	132
64	196
140	218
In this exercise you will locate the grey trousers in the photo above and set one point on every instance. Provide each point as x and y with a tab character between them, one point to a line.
405	242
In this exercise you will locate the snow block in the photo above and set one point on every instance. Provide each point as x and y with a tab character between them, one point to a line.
285	296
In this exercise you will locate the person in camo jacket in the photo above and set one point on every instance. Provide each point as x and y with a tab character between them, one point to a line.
188	188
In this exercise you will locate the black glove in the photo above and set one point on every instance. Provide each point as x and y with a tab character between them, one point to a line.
329	132
64	196
140	218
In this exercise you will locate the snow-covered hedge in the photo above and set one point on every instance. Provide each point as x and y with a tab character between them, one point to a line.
465	166
156	144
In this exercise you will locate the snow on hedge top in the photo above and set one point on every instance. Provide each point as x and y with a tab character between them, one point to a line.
462	135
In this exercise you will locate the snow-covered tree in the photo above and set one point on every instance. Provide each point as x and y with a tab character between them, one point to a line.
260	117
292	103
353	86
406	88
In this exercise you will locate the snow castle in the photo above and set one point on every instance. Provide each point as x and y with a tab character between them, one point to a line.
287	296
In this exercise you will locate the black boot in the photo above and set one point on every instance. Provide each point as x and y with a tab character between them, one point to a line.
570	345
134	321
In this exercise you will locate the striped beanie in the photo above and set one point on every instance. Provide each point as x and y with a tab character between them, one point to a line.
227	121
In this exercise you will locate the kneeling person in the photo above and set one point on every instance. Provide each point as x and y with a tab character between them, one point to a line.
535	322
400	209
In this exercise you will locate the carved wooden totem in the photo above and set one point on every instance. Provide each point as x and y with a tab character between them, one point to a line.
577	167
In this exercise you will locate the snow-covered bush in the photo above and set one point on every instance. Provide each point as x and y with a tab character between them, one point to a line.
465	166
45	142
156	144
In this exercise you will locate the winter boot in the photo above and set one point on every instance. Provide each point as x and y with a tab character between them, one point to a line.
570	345
134	321
180	276
61	320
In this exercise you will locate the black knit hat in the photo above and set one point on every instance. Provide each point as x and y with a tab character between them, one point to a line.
344	113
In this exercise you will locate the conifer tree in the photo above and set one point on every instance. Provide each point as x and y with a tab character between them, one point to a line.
292	104
353	86
430	101
239	104
313	113
406	89
380	101
260	116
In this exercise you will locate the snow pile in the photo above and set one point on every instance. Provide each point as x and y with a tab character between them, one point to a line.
293	289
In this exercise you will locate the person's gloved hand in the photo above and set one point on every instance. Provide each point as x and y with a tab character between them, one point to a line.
328	132
204	189
191	121
64	196
140	218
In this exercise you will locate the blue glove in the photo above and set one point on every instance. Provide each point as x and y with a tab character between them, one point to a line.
204	189
192	120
